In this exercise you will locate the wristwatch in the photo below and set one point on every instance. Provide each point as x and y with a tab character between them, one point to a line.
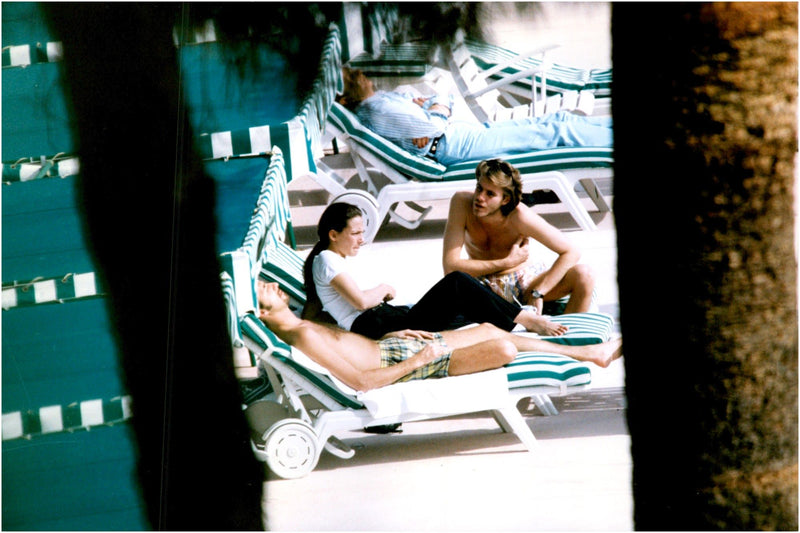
535	294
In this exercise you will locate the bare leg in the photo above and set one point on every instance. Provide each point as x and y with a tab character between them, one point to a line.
461	338
600	354
485	355
578	283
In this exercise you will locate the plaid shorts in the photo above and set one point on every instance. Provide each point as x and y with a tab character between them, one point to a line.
395	350
515	286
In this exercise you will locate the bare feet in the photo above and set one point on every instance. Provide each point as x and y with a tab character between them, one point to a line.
539	324
602	354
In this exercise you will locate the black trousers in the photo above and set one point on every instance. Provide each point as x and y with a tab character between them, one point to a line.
456	300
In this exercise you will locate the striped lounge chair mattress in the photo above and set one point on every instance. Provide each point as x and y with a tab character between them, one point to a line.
425	169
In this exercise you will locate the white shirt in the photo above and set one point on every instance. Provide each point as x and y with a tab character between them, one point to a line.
327	265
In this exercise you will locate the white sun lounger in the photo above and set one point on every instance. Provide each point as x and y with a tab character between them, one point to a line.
489	98
290	430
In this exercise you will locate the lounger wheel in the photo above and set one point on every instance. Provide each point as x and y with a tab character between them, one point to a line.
368	205
291	448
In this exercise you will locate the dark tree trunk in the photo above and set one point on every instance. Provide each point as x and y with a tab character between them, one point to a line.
706	138
150	219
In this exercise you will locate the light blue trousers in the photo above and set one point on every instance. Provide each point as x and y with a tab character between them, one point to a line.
465	141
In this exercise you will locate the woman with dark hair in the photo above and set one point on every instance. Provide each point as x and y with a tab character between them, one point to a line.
456	300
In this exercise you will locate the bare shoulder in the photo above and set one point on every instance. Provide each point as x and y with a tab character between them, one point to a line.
461	199
526	221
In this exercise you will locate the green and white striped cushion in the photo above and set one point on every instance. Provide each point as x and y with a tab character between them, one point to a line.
421	168
584	328
52	290
71	417
538	369
425	169
282	265
560	78
271	216
275	195
291	136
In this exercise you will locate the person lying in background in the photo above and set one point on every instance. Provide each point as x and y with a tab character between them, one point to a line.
423	125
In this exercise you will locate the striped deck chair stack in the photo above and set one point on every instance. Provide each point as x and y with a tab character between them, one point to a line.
395	60
415	179
300	138
269	226
64	402
69	457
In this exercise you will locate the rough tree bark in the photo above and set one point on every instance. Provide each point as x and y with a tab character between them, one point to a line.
706	139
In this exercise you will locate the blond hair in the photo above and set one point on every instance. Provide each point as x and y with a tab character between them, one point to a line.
503	175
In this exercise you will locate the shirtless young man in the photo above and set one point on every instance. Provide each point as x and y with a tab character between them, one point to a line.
364	364
494	227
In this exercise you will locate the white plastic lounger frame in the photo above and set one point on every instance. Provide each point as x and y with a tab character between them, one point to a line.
483	96
295	434
415	179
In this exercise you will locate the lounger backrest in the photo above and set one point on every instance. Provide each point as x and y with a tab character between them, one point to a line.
560	78
470	80
414	166
282	265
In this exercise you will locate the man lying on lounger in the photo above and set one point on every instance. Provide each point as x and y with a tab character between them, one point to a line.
423	126
364	364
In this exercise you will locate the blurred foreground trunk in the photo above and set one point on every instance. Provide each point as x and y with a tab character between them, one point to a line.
150	220
706	139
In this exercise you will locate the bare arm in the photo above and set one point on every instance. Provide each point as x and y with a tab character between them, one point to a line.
336	357
361	300
533	225
453	244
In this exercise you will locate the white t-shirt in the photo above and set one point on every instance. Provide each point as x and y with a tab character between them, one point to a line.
327	265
